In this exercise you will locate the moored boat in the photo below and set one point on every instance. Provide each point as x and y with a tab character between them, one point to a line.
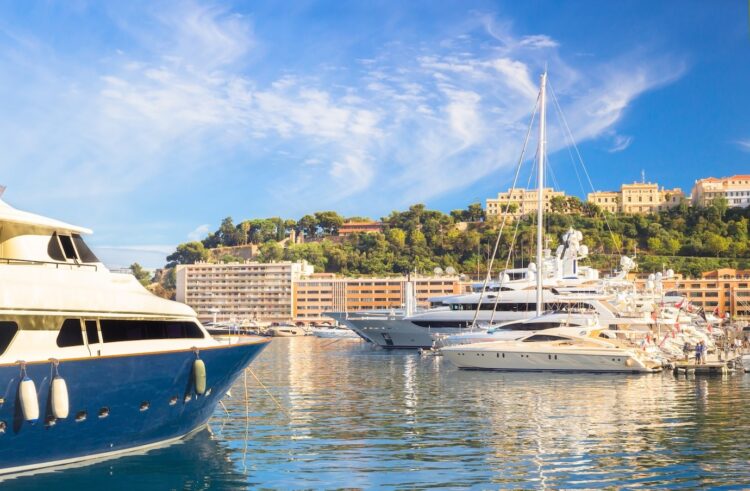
91	364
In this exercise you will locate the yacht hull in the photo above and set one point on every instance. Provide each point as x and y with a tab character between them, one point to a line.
505	360
130	402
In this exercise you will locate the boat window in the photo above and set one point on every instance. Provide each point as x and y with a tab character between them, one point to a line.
70	334
543	337
456	324
8	330
54	250
115	330
92	336
67	245
83	250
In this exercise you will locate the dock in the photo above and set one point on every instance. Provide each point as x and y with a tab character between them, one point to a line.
713	367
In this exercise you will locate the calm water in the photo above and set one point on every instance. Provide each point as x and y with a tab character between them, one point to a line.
358	418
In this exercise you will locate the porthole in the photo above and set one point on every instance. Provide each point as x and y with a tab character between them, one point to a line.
144	406
103	412
3	426
173	401
80	416
188	398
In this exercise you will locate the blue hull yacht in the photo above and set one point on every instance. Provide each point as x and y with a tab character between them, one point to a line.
93	365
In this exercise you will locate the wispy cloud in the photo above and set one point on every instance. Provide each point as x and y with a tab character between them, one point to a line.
620	143
744	145
199	232
190	94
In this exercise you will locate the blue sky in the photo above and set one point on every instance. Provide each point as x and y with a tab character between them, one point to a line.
151	121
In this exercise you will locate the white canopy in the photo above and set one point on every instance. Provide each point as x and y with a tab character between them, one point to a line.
12	215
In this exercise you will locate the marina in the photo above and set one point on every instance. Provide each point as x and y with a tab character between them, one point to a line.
395	420
374	245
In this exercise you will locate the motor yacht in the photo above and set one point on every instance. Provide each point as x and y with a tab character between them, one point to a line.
556	349
93	365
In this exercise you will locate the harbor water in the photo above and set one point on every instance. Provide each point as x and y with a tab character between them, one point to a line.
344	415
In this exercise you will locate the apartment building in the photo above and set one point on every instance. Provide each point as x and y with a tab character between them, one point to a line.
240	291
325	292
636	198
736	190
525	200
726	289
349	228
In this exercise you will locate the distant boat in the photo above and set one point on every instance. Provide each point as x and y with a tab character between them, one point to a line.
92	365
286	331
334	332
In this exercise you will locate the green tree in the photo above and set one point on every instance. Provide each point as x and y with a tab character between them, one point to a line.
397	238
227	233
308	225
474	213
270	252
143	276
329	221
188	253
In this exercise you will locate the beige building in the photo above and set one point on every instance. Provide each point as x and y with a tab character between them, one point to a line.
639	197
240	291
606	200
735	189
325	292
726	289
525	199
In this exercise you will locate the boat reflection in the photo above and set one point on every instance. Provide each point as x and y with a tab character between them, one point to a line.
198	462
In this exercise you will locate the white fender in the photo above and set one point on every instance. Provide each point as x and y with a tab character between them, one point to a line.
29	401
59	397
199	376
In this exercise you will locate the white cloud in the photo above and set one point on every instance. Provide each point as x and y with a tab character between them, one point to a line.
744	145
538	41
199	232
620	143
405	124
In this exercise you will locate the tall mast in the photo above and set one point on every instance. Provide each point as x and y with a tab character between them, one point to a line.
540	194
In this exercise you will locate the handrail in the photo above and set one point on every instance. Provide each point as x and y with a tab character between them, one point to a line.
8	260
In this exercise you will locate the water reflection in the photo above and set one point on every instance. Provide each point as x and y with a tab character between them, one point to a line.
359	418
199	462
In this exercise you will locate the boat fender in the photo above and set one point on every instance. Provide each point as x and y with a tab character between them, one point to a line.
59	395
28	398
199	376
629	362
60	405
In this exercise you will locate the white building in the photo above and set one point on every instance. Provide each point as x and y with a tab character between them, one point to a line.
735	189
240	291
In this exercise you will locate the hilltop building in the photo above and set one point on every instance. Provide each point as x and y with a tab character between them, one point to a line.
524	199
735	189
349	228
637	198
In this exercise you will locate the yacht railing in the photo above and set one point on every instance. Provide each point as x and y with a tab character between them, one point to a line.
7	260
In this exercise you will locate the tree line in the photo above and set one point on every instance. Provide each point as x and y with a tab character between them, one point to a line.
688	239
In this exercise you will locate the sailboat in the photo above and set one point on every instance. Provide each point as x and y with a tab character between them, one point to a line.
579	348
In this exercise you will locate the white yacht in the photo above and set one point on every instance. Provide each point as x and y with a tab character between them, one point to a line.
334	333
557	349
568	286
92	364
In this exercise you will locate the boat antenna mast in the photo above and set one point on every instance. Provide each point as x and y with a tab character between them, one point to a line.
540	195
